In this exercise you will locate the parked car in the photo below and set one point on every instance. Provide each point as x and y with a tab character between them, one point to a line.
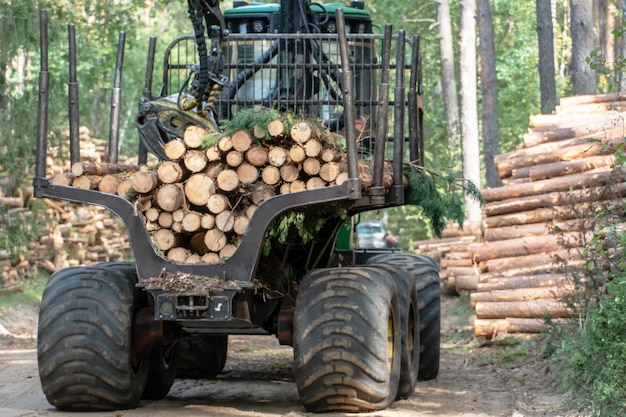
371	235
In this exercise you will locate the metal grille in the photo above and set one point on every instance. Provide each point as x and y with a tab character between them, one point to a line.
300	73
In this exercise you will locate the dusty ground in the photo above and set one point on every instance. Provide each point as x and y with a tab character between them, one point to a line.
257	380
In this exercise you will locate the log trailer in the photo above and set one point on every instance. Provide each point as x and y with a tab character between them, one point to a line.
364	325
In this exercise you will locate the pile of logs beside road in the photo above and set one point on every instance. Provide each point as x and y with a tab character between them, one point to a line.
537	223
71	234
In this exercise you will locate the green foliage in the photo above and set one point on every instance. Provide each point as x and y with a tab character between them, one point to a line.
594	358
306	227
440	195
18	229
252	120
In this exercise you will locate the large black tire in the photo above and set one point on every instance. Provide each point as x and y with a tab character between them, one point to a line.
347	340
409	318
426	275
84	339
163	359
202	356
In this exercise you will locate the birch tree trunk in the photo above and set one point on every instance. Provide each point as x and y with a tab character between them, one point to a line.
583	77
448	79
469	107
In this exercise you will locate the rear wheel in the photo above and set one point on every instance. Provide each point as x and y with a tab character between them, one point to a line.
203	356
410	330
84	340
425	273
163	358
347	340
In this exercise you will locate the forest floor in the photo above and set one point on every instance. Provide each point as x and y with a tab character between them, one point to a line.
505	378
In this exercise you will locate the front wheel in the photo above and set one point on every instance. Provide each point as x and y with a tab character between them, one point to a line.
347	340
84	340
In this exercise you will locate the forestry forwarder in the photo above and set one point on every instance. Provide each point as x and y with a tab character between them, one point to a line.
364	325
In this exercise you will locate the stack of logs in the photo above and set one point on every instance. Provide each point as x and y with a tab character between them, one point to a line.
537	223
74	234
197	204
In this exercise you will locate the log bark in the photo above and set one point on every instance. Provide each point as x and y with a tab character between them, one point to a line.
579	127
528	245
560	168
516	231
499	283
12	202
522	309
546	260
100	168
520	294
490	328
571	182
551	199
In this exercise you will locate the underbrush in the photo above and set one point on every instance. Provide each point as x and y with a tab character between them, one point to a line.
590	351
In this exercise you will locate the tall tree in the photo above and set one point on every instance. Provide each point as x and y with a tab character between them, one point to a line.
545	37
469	106
448	79
583	77
621	50
489	91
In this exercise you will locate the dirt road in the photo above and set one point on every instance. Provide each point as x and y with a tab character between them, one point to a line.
257	381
